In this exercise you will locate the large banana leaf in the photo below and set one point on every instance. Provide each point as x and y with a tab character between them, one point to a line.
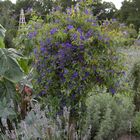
9	67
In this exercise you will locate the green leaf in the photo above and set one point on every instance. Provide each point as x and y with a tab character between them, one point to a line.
7	89
24	64
5	109
10	69
1	43
2	31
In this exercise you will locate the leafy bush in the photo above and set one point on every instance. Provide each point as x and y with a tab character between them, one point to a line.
136	84
122	35
136	123
109	115
71	55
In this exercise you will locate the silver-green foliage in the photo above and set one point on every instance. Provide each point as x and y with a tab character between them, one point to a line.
136	123
109	116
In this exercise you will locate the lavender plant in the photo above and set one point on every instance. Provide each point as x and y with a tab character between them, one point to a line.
37	125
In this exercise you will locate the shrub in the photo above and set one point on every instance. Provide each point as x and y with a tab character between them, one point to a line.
123	36
136	123
72	54
109	115
136	84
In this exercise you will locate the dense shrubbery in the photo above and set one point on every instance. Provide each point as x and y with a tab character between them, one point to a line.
136	84
136	123
73	52
71	56
109	116
121	34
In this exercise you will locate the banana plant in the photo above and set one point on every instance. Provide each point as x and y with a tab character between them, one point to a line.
11	73
10	70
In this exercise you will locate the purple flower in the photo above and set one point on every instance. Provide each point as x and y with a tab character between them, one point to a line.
65	31
94	24
68	45
48	40
86	74
53	31
89	34
114	19
79	30
65	71
100	38
106	23
123	73
75	75
89	20
32	34
57	21
42	49
86	12
82	37
112	90
70	27
35	51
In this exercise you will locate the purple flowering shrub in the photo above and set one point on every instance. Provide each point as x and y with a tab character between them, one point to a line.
71	56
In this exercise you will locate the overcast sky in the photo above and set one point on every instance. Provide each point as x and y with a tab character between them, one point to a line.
116	2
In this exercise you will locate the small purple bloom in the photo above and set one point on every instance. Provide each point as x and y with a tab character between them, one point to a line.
89	20
65	31
48	40
32	34
75	75
86	74
53	31
68	45
89	34
82	37
112	90
114	20
65	71
70	27
94	24
86	12
35	51
79	30
42	49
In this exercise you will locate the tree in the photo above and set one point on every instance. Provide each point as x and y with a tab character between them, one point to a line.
130	13
8	21
104	10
